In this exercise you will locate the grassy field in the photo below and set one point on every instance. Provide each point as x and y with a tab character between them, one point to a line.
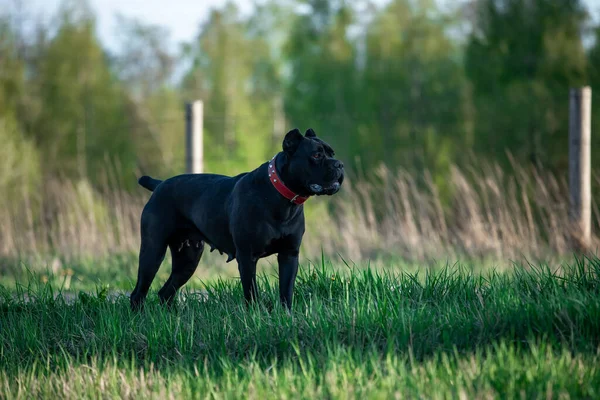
527	332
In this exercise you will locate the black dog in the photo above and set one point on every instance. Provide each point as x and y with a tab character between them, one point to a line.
248	216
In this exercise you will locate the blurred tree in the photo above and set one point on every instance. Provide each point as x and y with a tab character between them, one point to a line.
145	66
12	70
594	81
383	82
522	58
83	120
269	25
144	63
396	94
19	167
414	89
322	85
232	73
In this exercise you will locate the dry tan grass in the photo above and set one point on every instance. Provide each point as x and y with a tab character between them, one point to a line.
487	214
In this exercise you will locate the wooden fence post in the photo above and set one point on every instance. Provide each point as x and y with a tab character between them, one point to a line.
580	171
194	149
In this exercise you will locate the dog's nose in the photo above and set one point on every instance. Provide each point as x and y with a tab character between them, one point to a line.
339	165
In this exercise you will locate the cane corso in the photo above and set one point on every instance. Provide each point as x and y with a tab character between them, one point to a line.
248	216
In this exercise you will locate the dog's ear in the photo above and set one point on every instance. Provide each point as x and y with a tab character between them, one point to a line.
310	133
292	141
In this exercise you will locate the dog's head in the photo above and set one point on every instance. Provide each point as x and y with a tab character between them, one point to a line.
311	167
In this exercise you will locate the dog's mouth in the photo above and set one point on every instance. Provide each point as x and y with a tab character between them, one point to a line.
330	189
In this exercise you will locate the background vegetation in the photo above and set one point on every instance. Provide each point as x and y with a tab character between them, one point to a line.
456	113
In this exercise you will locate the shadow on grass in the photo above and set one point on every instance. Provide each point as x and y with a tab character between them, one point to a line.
364	313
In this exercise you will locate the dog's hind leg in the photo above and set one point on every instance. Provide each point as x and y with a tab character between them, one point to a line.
153	248
186	251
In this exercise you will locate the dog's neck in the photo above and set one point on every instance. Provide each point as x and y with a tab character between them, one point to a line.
282	182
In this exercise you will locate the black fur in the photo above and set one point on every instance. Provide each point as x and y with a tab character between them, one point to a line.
149	183
243	216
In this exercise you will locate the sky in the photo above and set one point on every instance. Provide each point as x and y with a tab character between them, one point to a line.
181	17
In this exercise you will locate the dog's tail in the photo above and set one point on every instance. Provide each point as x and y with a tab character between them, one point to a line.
149	183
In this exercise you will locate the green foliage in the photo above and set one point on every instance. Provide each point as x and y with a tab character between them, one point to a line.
398	83
19	161
82	119
594	82
415	92
531	332
154	108
12	67
232	74
522	58
19	158
321	91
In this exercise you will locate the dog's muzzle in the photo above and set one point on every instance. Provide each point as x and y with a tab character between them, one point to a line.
337	174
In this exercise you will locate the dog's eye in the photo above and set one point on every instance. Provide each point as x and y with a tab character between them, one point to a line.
316	156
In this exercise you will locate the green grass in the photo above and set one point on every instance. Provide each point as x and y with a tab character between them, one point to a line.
119	271
527	333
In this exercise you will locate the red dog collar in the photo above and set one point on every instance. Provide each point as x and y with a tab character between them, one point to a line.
280	186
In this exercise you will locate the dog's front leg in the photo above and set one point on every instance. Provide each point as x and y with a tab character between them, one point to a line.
288	268
247	268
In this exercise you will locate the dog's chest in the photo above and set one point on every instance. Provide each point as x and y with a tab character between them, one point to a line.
274	246
281	237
